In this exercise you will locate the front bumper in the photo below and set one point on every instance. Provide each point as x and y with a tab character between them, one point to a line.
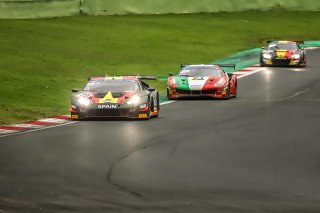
109	111
178	93
282	62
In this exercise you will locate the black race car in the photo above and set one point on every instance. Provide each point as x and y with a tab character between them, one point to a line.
123	97
283	53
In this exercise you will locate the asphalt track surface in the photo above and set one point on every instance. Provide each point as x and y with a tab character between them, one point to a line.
259	152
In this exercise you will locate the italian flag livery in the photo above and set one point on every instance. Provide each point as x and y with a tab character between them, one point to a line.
202	80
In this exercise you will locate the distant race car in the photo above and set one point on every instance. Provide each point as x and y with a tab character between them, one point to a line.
283	53
202	81
119	97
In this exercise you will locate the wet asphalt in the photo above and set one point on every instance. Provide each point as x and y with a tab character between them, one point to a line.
259	152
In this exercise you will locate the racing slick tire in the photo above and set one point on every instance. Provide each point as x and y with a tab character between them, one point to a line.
158	106
152	107
304	64
148	112
235	89
168	96
227	96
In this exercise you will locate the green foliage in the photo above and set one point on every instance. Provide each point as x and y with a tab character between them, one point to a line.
42	59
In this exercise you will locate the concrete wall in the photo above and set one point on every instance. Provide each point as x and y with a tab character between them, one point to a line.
56	8
111	7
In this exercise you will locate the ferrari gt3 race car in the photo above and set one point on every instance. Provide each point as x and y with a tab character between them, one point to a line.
119	97
283	53
202	81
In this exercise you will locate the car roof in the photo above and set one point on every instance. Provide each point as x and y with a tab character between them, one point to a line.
110	78
201	66
283	42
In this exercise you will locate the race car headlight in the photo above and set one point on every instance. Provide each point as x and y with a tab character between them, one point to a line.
266	56
218	83
84	101
134	100
223	89
296	56
173	81
142	106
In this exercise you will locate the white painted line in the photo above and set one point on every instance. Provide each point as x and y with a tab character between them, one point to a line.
53	120
167	102
311	48
250	73
5	131
248	68
32	126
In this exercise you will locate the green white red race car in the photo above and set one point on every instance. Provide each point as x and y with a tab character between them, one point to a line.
119	97
202	81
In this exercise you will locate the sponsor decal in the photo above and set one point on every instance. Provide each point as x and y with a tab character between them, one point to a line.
108	99
108	106
74	116
114	78
197	84
281	54
197	78
195	87
143	116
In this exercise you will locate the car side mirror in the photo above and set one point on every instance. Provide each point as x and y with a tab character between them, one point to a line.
170	74
75	90
151	89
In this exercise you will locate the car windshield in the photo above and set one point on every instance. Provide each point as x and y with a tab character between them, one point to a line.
279	46
112	85
200	72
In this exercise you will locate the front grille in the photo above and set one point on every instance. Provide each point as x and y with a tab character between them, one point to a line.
281	61
190	92
185	92
208	92
111	112
107	112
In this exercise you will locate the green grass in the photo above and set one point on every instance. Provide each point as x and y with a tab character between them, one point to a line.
42	59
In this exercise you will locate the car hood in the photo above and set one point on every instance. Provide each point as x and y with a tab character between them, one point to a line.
282	53
107	97
196	83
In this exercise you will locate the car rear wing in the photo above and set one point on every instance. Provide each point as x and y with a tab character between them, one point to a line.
298	42
147	77
227	65
142	77
220	65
